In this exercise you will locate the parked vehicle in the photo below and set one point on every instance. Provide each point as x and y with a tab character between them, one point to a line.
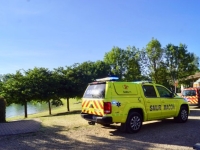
192	95
108	101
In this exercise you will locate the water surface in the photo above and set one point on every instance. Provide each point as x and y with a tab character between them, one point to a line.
14	110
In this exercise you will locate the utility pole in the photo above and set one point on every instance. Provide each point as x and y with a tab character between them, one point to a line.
176	68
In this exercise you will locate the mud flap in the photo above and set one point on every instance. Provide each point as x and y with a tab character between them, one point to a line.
123	127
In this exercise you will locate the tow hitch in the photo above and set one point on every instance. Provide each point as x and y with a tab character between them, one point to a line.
91	123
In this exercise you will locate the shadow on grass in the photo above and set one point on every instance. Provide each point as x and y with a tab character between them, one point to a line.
165	132
68	113
56	137
64	113
46	138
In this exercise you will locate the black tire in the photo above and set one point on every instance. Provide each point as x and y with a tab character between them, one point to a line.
182	116
134	122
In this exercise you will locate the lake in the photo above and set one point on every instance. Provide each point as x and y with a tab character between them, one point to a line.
14	110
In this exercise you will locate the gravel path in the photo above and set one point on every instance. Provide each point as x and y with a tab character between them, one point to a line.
18	127
154	135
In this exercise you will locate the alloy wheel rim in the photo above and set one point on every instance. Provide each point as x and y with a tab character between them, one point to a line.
135	122
184	114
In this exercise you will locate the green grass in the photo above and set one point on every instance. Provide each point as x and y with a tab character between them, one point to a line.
74	105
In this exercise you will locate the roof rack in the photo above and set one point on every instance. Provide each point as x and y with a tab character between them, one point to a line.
107	79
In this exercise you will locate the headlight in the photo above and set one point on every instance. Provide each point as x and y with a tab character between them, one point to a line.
185	99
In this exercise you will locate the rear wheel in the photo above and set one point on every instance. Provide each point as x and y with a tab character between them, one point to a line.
182	116
134	122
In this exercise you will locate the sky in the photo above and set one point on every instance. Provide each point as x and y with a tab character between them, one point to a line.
59	33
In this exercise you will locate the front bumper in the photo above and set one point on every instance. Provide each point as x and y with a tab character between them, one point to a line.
97	119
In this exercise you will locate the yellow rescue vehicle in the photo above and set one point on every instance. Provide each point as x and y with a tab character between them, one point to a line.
192	95
107	101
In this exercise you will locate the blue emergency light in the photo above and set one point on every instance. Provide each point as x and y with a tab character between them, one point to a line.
108	79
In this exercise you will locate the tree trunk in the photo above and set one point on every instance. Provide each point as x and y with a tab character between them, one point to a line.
2	110
49	107
68	104
25	110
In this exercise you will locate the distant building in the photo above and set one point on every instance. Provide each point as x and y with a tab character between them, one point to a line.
196	83
195	80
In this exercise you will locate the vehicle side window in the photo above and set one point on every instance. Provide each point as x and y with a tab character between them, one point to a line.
163	92
149	91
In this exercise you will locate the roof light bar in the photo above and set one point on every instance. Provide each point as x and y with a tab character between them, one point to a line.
108	79
143	82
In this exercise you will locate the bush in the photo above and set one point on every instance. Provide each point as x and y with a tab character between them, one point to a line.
2	110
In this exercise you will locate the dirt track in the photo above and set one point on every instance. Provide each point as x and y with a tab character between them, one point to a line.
76	134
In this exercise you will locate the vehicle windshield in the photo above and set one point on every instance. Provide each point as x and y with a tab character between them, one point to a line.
189	93
95	91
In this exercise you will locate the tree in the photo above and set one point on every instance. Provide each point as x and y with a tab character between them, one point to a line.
63	88
1	86
100	70
124	63
37	84
74	79
115	59
132	59
42	86
153	58
179	62
162	75
16	90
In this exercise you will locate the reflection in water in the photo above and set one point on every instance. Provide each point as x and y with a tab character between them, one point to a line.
14	110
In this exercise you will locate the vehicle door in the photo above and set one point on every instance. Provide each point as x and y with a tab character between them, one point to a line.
168	102
198	96
152	102
92	101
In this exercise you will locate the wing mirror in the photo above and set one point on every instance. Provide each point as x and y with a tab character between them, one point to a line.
172	94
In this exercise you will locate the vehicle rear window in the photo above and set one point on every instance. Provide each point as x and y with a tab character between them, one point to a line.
95	91
149	91
189	93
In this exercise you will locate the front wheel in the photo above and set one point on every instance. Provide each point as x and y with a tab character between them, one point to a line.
134	122
182	116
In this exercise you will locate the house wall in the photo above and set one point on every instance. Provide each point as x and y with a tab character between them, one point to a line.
196	83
